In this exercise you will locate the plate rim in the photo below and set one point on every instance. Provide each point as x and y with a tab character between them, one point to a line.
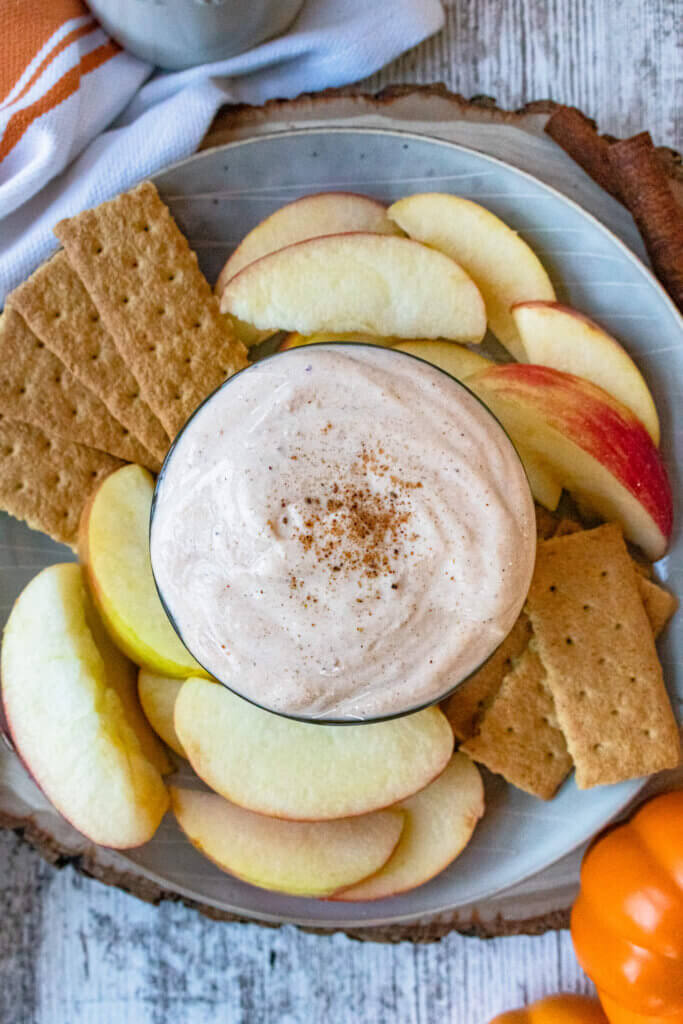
446	143
634	786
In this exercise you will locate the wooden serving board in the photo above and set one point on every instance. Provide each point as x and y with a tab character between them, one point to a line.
543	901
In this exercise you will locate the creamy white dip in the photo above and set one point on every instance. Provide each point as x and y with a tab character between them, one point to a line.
343	531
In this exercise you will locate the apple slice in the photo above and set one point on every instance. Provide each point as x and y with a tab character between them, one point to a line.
457	360
302	771
295	340
67	723
247	333
558	336
546	489
301	858
461	362
439	822
114	548
374	284
591	442
158	696
502	265
122	677
323	213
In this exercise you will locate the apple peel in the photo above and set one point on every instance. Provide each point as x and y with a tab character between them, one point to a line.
299	858
593	444
67	723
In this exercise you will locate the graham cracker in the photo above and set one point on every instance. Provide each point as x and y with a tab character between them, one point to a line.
37	388
146	284
519	737
59	311
596	644
464	708
660	604
47	482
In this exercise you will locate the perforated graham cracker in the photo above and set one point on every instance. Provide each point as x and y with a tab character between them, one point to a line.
596	644
165	320
47	482
59	311
36	388
660	604
518	736
466	705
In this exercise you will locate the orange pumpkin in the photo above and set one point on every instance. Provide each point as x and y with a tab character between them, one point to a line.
563	1009
619	1015
627	923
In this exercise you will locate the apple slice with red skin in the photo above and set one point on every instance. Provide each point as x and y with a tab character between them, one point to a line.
561	337
600	452
374	284
300	858
323	213
461	363
439	822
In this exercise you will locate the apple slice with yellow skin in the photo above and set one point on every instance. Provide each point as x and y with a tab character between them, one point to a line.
247	334
323	213
68	723
113	545
303	771
505	269
301	858
545	487
378	285
439	822
458	361
157	695
295	340
561	337
122	675
594	445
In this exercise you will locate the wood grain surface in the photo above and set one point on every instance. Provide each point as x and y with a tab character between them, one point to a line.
619	62
75	952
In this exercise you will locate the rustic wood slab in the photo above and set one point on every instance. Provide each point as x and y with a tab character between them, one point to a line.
543	901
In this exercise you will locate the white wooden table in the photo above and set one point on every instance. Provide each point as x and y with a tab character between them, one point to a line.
75	952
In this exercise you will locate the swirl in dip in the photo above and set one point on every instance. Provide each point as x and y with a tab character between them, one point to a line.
343	532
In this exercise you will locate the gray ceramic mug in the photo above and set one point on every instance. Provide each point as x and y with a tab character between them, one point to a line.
182	33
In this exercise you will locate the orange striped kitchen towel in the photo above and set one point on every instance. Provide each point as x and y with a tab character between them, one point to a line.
79	122
49	49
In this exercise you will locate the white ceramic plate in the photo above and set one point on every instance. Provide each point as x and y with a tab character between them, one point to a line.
216	197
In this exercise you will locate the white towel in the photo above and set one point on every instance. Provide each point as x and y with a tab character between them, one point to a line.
63	81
